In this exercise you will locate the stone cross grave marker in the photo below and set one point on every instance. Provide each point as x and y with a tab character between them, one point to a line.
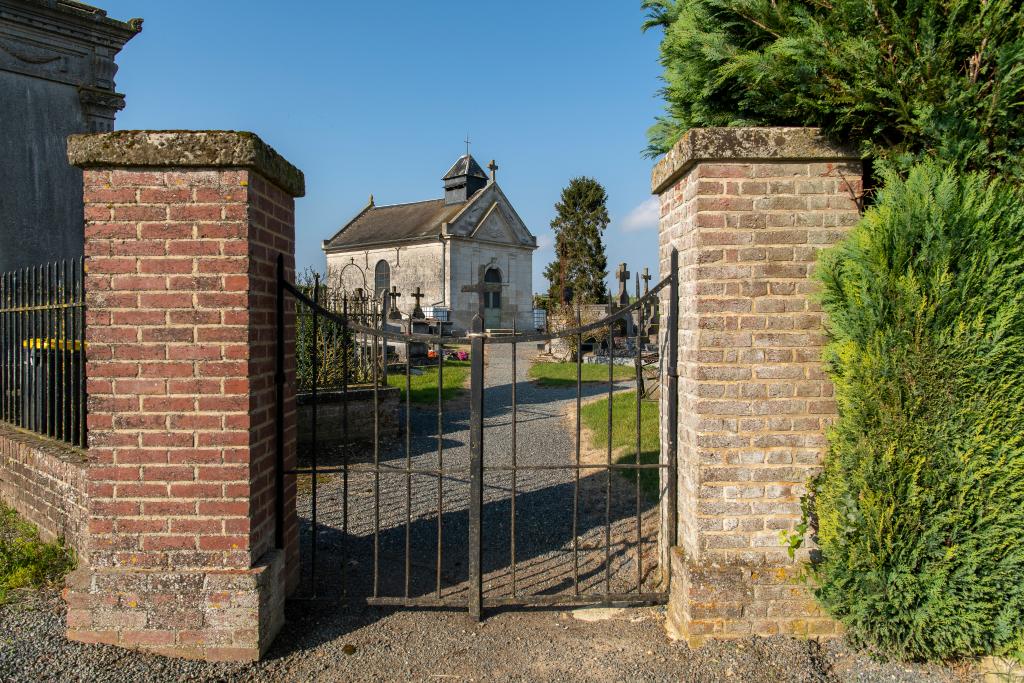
646	277
418	312
394	314
622	275
481	287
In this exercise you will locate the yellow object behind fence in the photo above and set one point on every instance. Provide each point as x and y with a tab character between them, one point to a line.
52	344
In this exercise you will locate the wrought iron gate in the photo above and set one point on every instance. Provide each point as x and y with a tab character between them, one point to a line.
416	559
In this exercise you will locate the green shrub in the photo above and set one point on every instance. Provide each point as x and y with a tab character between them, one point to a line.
25	561
920	507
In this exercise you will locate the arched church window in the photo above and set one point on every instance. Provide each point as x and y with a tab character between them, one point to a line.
492	299
381	278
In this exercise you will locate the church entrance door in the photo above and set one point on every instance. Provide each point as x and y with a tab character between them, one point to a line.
492	301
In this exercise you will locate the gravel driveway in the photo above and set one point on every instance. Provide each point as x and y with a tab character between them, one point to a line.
545	562
336	637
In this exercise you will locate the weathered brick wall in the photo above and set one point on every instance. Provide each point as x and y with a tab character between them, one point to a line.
45	481
748	210
182	236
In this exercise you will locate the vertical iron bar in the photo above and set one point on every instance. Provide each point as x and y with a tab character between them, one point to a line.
515	378
279	378
45	292
408	463
608	469
82	372
37	333
639	389
62	336
376	466
673	400
576	482
344	439
4	346
77	353
51	349
314	450
440	452
51	356
476	449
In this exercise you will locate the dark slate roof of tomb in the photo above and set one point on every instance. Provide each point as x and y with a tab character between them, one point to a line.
465	166
376	224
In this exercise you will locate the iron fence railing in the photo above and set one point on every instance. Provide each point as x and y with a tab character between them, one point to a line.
42	340
338	356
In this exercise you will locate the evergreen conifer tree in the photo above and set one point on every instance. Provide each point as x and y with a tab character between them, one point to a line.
579	224
901	78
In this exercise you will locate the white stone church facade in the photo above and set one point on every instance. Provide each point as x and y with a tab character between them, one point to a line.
440	246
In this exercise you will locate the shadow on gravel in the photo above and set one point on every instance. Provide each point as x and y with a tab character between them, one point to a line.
544	558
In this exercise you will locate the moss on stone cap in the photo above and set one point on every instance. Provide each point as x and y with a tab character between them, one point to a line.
185	148
744	144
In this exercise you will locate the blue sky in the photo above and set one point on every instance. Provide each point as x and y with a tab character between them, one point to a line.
378	97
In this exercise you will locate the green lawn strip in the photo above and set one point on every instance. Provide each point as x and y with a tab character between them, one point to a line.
25	561
423	388
594	416
564	374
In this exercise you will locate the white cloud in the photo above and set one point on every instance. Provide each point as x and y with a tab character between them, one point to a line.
643	216
545	241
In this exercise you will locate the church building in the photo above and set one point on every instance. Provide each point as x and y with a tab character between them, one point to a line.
441	246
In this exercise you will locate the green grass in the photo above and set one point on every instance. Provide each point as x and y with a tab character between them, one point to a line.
423	388
564	374
25	561
595	418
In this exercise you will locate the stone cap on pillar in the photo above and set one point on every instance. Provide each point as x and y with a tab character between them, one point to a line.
745	144
185	148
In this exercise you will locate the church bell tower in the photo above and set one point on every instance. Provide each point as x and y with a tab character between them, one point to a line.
464	179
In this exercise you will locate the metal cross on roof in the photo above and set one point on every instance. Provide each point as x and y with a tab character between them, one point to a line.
418	312
467	144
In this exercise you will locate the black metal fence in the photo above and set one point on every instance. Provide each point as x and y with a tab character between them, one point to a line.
42	339
325	350
428	520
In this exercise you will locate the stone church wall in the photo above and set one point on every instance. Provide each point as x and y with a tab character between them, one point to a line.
412	266
516	266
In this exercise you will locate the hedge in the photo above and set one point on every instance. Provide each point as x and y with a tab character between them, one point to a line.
920	507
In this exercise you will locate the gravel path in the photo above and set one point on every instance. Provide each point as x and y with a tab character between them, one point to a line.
334	638
327	642
545	561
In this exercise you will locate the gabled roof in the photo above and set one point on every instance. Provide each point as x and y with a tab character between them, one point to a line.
465	166
376	224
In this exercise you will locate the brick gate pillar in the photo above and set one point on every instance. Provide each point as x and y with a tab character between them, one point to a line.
182	233
748	209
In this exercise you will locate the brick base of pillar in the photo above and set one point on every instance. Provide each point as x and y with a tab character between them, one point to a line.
716	600
214	615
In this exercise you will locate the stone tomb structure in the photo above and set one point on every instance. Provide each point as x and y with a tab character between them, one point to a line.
441	245
56	78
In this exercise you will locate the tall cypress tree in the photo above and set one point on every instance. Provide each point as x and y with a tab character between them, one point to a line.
581	216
